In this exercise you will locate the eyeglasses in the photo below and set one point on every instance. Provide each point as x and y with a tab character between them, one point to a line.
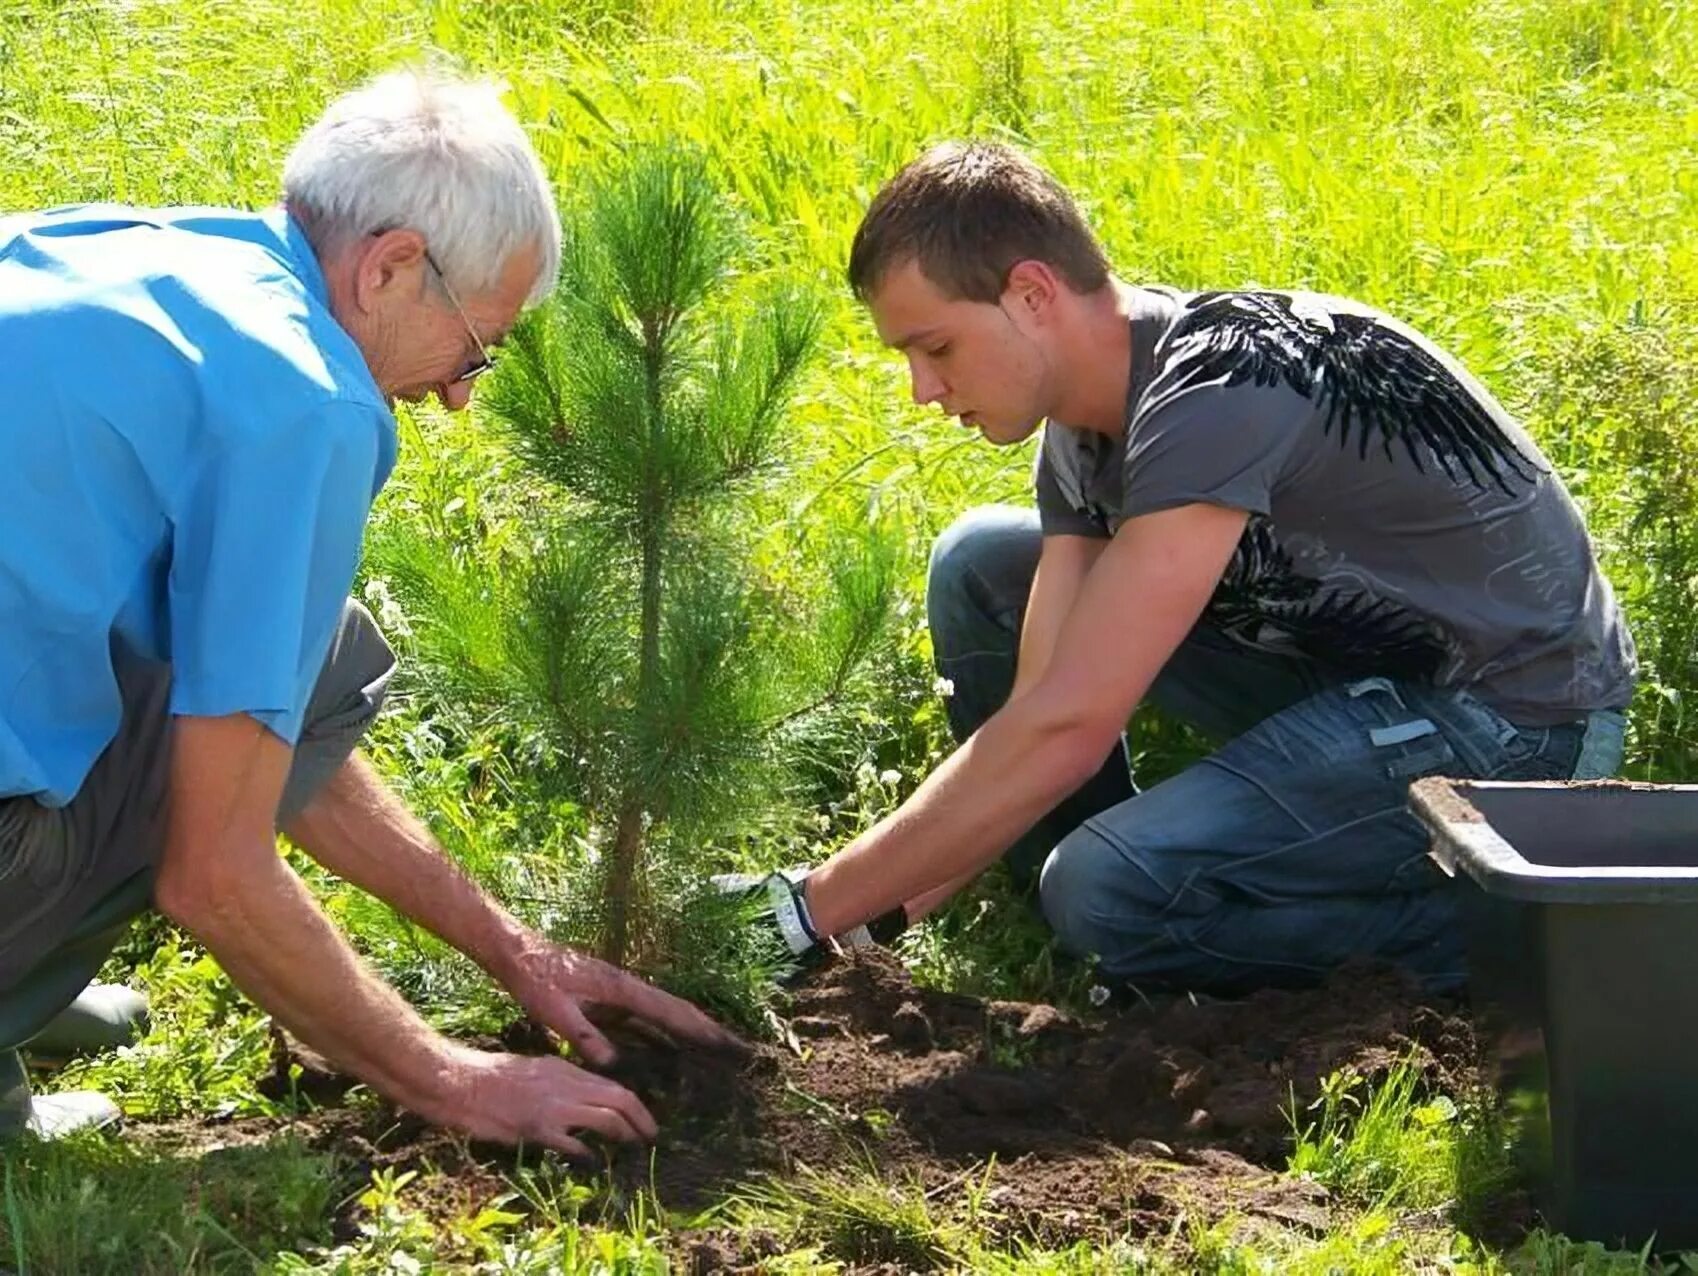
485	359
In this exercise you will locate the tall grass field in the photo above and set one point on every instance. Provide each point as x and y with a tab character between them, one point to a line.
1516	178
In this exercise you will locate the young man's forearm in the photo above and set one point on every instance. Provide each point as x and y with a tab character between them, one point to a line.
1018	765
1141	596
362	832
1055	585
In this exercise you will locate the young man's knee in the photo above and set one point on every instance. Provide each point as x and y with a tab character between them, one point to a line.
1076	890
977	538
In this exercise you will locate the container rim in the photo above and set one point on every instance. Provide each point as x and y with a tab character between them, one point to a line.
1463	838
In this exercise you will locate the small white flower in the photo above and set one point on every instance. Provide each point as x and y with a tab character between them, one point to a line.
823	822
944	687
889	777
390	618
1098	995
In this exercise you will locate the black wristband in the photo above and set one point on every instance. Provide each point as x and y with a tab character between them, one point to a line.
798	892
887	926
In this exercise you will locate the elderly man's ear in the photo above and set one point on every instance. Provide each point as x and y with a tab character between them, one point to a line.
386	261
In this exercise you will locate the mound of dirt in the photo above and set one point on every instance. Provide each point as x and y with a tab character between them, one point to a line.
1089	1129
1094	1128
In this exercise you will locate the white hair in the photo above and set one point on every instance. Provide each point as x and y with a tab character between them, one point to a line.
441	156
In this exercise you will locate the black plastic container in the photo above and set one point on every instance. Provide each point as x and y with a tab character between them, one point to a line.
1583	951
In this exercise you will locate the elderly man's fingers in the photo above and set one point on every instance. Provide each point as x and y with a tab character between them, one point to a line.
584	1036
544	1099
677	1017
578	1151
582	1100
608	1122
604	1092
603	1015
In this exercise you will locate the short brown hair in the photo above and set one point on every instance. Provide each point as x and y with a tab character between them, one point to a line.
968	212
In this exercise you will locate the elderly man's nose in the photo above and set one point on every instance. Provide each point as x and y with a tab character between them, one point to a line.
454	395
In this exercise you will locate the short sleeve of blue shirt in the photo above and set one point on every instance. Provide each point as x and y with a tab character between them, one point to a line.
266	534
188	469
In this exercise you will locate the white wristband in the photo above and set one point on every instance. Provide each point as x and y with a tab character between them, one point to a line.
789	911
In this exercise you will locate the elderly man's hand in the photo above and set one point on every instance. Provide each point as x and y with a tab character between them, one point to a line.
545	1100
563	989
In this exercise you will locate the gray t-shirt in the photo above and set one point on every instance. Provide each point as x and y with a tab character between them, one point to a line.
1401	522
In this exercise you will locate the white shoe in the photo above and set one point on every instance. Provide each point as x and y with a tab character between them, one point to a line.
47	1116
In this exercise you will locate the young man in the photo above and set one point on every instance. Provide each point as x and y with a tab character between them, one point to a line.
1291	521
190	461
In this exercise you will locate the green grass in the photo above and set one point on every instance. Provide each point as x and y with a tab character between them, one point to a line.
1379	1144
1518	178
855	1217
96	1205
204	1050
1393	1154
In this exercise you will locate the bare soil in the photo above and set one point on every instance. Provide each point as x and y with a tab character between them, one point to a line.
1125	1126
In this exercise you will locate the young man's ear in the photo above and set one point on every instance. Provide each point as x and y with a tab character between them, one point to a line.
1031	289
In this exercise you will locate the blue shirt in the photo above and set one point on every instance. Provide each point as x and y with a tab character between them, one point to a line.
189	448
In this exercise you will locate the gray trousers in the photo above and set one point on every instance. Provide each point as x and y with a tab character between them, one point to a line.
72	878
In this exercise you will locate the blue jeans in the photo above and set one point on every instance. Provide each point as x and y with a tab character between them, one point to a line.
1284	854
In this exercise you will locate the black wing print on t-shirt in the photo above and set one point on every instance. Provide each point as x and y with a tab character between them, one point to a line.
1263	601
1370	380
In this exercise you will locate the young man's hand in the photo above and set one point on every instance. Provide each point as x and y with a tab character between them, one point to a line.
781	898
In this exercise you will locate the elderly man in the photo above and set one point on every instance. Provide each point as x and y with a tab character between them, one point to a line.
1284	517
191	459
